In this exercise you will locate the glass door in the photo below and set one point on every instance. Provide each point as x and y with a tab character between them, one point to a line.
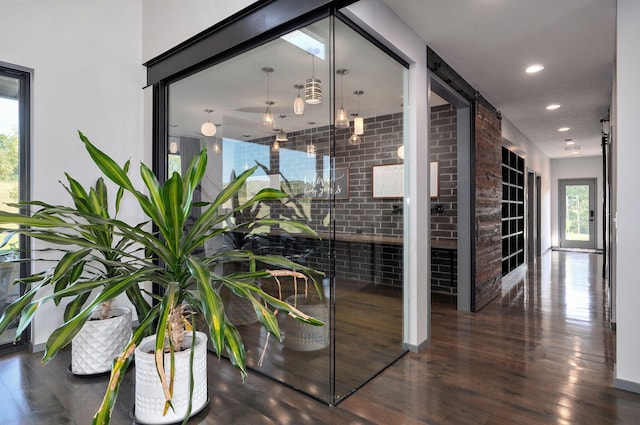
14	96
577	213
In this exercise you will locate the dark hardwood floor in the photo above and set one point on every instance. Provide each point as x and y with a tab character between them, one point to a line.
542	353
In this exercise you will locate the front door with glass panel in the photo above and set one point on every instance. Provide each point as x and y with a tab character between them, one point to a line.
577	218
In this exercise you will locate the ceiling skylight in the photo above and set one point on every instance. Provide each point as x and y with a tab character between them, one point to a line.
306	41
532	69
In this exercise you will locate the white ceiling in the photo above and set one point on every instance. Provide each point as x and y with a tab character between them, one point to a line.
491	42
237	88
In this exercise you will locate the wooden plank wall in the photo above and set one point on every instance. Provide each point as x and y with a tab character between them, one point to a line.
488	198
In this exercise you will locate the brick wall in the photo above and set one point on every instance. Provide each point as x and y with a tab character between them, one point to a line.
444	149
360	213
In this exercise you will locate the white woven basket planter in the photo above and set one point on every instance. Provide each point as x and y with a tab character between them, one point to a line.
301	336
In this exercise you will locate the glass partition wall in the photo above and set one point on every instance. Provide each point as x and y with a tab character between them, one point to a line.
319	112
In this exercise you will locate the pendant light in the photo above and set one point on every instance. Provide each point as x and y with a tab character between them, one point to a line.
208	129
311	148
401	152
281	136
358	121
173	146
313	86
298	104
342	119
267	117
354	140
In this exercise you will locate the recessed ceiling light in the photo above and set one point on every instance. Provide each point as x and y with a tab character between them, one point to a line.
569	142
532	69
575	153
553	106
564	129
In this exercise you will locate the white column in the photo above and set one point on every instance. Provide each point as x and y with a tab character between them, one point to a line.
627	128
383	23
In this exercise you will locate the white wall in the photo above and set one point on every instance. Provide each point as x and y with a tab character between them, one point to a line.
628	196
575	168
537	161
86	58
167	23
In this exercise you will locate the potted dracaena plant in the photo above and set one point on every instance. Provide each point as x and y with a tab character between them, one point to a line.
108	330
166	250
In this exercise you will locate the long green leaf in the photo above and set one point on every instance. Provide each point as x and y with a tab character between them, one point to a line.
117	174
69	261
26	316
275	302
235	349
22	220
296	224
139	302
107	165
101	193
15	308
120	192
172	198
167	304
232	188
210	303
120	365
75	306
77	193
192	178
155	194
192	352
72	276
266	194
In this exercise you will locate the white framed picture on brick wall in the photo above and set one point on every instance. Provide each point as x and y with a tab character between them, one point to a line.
388	181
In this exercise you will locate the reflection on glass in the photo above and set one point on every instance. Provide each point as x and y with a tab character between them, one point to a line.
328	187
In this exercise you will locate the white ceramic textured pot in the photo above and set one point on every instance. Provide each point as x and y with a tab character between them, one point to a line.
149	397
100	341
301	336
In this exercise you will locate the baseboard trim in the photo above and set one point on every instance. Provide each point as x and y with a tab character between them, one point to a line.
630	386
417	348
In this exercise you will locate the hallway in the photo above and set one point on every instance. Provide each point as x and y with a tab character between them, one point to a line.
541	354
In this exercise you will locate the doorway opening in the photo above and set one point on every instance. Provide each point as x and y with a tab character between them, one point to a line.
577	214
534	193
450	149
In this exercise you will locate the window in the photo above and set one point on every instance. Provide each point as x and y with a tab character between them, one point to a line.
14	132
